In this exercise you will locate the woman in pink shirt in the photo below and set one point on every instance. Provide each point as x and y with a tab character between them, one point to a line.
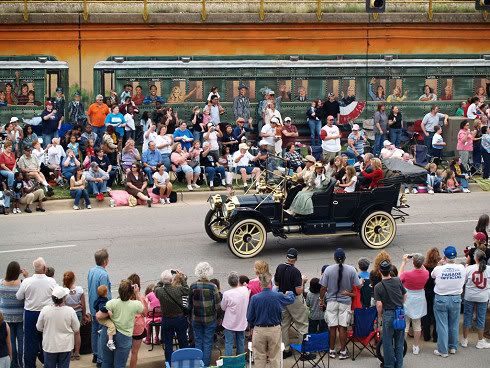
415	305
465	143
260	267
153	315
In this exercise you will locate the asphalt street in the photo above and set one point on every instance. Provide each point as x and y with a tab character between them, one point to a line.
149	240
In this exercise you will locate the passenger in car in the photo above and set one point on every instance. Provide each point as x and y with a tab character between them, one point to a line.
348	182
303	178
375	176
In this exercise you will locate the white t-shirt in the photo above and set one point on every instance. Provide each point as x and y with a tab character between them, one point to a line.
36	292
449	279
351	188
39	154
55	153
268	129
331	145
128	118
159	140
437	140
151	138
477	284
58	325
161	179
244	161
74	298
472	111
212	138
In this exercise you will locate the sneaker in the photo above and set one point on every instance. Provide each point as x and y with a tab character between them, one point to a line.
407	191
483	344
49	191
18	210
223	182
436	352
39	209
76	207
100	197
148	202
452	351
245	188
431	191
414	191
109	189
415	350
464	343
287	354
466	190
28	210
190	187
14	210
162	201
343	355
167	200
195	186
111	345
88	207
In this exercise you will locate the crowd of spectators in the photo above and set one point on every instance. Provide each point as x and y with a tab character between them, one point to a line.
40	317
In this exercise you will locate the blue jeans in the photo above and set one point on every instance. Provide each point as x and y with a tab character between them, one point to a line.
392	341
118	357
166	161
9	175
378	143
396	136
434	182
230	337
78	194
428	141
32	339
172	326
17	340
204	336
481	312
477	153
197	136
315	127
463	182
57	360
68	172
48	138
99	131
212	171
149	174
95	340
446	310
96	188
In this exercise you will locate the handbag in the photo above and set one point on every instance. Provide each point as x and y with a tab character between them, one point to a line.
399	320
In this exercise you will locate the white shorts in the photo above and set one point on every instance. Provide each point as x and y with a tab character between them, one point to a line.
337	314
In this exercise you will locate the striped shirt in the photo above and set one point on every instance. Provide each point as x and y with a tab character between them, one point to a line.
12	309
204	299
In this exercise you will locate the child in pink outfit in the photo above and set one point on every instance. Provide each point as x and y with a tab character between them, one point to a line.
155	317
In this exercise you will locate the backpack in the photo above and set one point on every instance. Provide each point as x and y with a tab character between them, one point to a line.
399	320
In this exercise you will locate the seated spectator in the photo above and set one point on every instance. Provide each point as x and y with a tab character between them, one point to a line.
390	151
226	160
70	164
376	175
434	181
229	139
31	192
241	130
184	136
136	183
438	143
30	167
241	164
179	159
450	184
75	147
150	159
89	153
293	158
162	185
87	135
355	142
212	167
154	315
129	125
105	165
41	155
116	120
109	144
130	155
8	164
460	174
97	181
164	144
152	98
29	136
77	188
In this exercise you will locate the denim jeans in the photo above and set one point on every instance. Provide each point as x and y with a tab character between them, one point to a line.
378	143
392	341
446	310
463	182
204	336
481	312
166	161
315	128
68	172
212	171
112	176
57	360
477	153
434	182
428	141
78	194
149	174
116	358
9	175
95	339
486	164
32	339
48	138
230	337
396	136
99	131
96	188
172	326
17	340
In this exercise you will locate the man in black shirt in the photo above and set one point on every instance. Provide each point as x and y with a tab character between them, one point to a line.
288	278
332	107
390	294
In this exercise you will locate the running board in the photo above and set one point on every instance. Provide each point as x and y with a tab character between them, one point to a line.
301	235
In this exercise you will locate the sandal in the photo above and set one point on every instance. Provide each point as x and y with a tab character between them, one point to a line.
76	356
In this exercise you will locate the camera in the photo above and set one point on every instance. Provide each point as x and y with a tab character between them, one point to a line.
410	256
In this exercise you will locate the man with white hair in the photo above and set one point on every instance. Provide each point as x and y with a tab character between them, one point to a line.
241	164
36	292
96	115
171	291
204	299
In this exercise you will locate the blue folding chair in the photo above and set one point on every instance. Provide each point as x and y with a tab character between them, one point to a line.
186	358
318	343
365	332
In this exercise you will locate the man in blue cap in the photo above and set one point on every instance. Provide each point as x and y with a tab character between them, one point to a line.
449	278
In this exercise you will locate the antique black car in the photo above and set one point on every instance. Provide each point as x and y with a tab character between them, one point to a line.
244	221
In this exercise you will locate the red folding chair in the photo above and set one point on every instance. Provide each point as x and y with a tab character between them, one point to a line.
365	332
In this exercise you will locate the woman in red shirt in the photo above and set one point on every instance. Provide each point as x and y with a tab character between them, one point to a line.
376	175
7	163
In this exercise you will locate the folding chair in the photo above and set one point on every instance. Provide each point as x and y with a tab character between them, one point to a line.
421	154
316	152
186	358
318	343
238	361
365	331
156	317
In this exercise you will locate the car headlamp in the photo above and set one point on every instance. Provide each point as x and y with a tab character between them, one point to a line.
228	207
215	201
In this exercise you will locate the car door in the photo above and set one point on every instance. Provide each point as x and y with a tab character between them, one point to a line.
344	206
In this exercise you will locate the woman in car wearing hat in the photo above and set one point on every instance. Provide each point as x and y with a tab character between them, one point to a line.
303	177
302	204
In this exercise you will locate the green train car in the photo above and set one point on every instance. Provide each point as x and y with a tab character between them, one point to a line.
297	79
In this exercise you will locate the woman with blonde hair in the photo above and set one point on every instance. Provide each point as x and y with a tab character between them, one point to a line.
375	275
432	258
260	268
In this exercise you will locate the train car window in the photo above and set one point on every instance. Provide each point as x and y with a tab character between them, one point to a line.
108	83
463	87
52	81
263	85
397	91
157	83
348	91
377	90
232	89
285	90
333	86
447	89
316	89
196	92
177	93
482	88
429	90
301	90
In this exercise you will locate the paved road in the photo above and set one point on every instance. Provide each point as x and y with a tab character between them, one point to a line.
147	241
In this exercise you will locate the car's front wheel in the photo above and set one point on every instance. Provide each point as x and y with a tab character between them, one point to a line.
246	238
378	230
214	226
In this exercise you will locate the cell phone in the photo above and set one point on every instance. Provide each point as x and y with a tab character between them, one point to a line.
410	256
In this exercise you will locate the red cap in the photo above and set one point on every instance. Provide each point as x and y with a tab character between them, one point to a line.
479	236
49	103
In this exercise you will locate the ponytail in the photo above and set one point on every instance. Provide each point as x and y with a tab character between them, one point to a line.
340	261
480	260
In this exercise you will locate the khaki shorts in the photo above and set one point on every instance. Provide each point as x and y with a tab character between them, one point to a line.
416	324
338	314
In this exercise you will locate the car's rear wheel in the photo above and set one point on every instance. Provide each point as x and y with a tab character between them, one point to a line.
246	238
378	230
215	227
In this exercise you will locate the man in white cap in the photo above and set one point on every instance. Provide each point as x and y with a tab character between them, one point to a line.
390	151
58	323
268	133
330	136
241	164
289	133
96	115
355	142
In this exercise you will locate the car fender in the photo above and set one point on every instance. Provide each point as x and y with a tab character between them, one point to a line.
241	213
376	206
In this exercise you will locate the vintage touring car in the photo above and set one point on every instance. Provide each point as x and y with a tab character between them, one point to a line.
244	221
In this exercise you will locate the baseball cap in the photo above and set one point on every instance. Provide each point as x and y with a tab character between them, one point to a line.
386	143
287	118
385	265
59	89
274	120
263	142
272	92
331	94
339	254
94	164
309	158
14	119
243	146
450	252
292	253
479	236
355	127
60	292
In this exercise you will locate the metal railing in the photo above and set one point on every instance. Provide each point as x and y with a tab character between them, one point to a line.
206	7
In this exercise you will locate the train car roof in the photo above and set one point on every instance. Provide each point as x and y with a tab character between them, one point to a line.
32	64
352	63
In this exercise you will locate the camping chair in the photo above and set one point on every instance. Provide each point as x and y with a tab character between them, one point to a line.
251	357
318	343
186	358
238	361
156	316
316	152
365	331
421	154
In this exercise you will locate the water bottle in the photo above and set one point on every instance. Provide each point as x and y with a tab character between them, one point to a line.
112	203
